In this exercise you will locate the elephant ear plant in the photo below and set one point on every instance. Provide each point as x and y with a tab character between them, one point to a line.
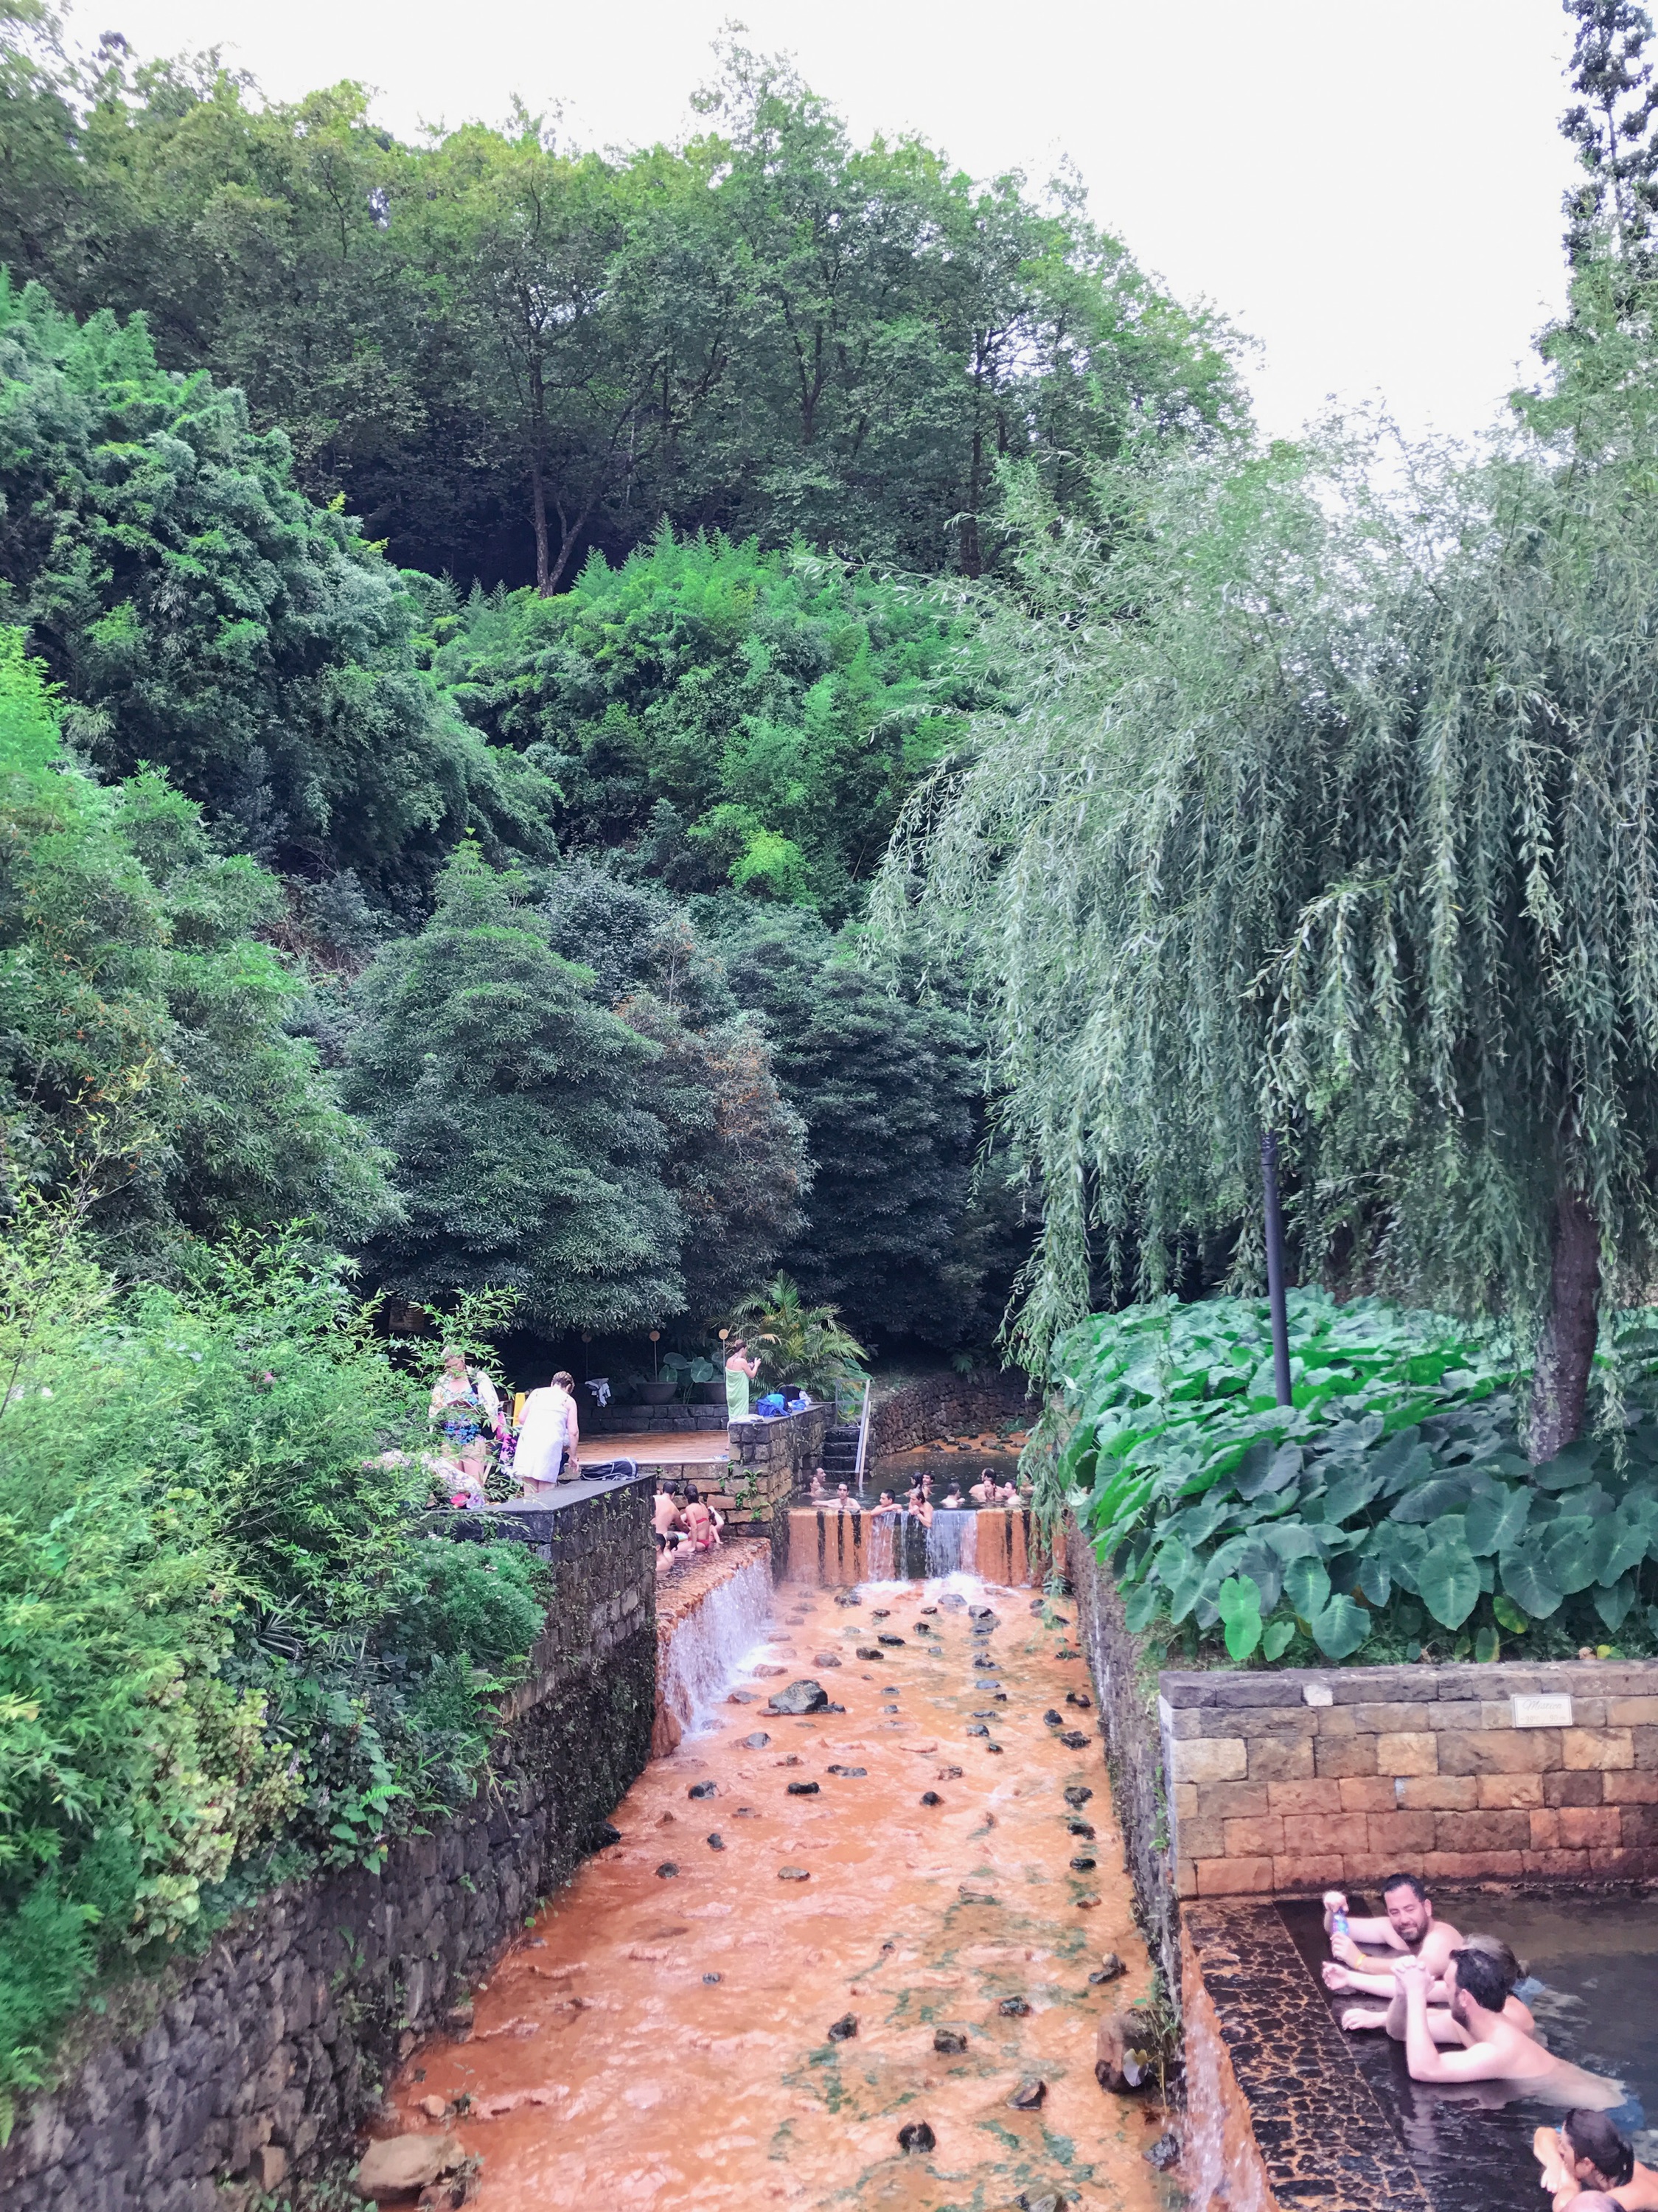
1391	1504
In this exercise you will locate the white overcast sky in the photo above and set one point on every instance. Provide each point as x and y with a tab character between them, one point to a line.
1369	188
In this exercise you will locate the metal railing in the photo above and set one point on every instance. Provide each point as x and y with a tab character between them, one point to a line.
863	1438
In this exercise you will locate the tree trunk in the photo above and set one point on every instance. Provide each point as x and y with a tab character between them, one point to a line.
1566	1348
538	510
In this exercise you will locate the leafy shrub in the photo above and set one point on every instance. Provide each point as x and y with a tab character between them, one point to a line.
1391	1501
226	1649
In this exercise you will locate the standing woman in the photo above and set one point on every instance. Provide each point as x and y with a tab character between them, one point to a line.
547	1432
465	1405
740	1371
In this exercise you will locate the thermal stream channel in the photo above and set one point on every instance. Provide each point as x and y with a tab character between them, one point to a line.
659	2037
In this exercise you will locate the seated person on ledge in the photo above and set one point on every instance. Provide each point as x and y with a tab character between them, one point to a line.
1494	2049
1410	1927
1585	2159
1442	2028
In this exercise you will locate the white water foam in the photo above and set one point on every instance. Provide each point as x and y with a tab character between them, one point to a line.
713	1642
952	1542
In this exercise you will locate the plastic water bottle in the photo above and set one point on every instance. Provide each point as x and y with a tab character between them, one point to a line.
1337	1924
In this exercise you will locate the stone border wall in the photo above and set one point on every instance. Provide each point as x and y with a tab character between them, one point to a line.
946	1405
1296	1780
769	1460
260	2060
1128	1720
615	1420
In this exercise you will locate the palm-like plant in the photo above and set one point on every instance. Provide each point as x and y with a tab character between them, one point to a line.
798	1343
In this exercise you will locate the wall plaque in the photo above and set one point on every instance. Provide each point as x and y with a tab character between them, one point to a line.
1553	1711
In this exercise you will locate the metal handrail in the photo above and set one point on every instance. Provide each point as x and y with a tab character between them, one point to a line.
863	1437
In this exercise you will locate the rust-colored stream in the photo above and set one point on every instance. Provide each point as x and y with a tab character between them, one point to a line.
661	2039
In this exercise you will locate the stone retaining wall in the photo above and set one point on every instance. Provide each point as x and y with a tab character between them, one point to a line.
769	1459
260	2060
614	1420
1293	1781
946	1405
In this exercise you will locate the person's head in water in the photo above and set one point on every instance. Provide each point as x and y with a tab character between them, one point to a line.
1409	1907
886	1498
1496	1949
1479	1979
1599	2158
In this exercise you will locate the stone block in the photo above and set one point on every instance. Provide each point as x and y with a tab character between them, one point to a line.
1473	1866
1437	1793
1390	1719
1180	1690
1241	1690
1235	1877
1371	1685
1314	1797
1589	1827
1508	1793
1194	1720
1308	1834
1209	1759
1544	1831
1568	1865
1305	1876
1637	1824
1462	1713
1627	1787
1280	1758
1205	1839
1186	1878
1639	1865
1340	1756
1253	1721
1632	1712
1398	1836
1372	1867
1583	1789
1518	1751
1337	1720
1368	1793
1233	1801
1597	1749
1183	1797
1466	1832
1246	1839
1415	1751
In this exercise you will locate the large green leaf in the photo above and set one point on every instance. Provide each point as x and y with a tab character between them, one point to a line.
1340	1627
1430	1501
1273	1473
1279	1635
1448	1579
1527	1579
1493	1522
1140	1607
1307	1585
1240	1608
1569	1548
1614	1604
1375	1580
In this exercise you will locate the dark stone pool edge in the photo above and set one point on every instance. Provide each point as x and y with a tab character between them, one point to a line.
262	2057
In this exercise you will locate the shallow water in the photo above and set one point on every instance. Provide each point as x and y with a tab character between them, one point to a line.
661	2039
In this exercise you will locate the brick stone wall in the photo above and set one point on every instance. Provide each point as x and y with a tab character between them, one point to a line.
1294	1781
258	2060
768	1460
614	1420
946	1405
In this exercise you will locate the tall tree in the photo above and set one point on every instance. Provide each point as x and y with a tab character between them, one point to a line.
1612	128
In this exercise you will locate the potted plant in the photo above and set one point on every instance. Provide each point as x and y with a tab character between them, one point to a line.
637	1388
695	1375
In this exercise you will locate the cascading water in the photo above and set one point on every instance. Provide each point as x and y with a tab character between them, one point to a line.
706	1644
952	1542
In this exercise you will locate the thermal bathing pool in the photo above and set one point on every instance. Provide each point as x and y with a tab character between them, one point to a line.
673	2029
1336	2117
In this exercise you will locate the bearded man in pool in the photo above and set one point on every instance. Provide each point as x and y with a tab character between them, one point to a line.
1410	1927
1493	2049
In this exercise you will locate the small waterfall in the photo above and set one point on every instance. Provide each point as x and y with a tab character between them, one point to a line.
952	1542
704	1647
885	1553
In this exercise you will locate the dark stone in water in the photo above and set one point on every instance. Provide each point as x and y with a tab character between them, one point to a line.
863	1654
1112	1969
980	1612
1163	2153
978	1728
949	1773
1028	2097
704	1790
1013	2008
826	1659
929	1608
922	1629
916	2135
947	2043
794	1874
1081	1828
833	1708
931	1797
969	1896
757	1741
606	1833
1077	1796
741	1698
891	1691
881	1613
841	2030
1083	1866
850	1773
714	1978
799	1697
1051	2203
746	1813
667	1870
892	1643
1054	1719
1074	1740
995	1749
1081	1699
984	1717
716	1842
849	1597
803	1788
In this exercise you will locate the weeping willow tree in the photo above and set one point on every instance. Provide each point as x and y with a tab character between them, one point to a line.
1334	813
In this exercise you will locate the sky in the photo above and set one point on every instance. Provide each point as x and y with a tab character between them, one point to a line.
1370	190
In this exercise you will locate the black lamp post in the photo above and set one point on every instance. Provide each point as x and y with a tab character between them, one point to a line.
1274	1222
